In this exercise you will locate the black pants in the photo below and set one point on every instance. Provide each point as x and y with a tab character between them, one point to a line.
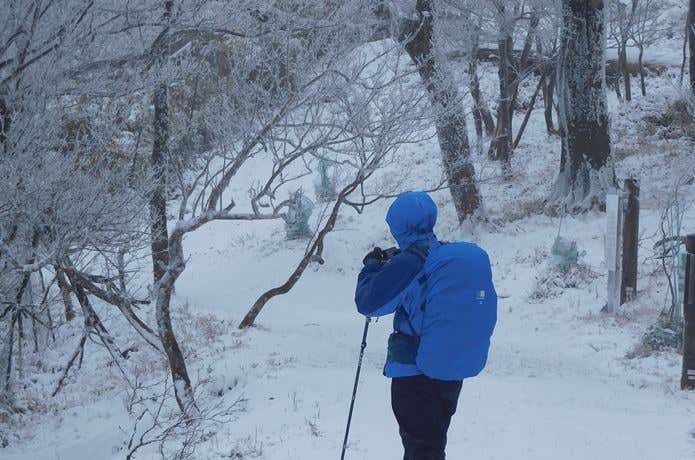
423	408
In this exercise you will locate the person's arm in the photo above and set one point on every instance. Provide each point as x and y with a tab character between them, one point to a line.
379	286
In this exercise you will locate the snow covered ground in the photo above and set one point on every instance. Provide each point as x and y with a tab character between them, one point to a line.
557	386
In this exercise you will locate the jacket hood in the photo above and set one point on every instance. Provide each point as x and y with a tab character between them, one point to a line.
411	219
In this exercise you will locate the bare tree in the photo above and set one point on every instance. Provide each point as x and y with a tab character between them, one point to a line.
647	30
481	113
366	149
506	15
163	109
670	231
621	22
547	40
258	110
314	252
164	278
458	29
56	199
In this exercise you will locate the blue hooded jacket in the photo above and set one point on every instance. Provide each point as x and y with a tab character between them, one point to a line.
381	289
442	295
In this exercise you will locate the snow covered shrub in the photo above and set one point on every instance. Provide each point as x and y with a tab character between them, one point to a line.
209	326
564	270
198	330
248	447
677	121
156	424
520	209
565	254
326	184
552	283
314	429
658	337
297	217
16	413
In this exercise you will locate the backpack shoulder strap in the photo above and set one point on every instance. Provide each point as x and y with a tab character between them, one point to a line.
422	253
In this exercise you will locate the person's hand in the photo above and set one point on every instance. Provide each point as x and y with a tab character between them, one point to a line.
376	254
390	253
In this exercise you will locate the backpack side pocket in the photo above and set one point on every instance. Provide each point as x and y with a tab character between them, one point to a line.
402	348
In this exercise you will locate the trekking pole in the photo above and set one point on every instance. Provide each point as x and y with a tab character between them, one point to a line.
357	379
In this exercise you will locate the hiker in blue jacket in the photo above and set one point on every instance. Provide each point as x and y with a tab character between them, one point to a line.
445	309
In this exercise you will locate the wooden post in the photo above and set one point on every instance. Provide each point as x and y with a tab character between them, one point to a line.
688	373
614	221
679	284
628	286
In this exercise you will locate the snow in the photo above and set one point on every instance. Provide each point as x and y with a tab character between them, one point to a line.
558	384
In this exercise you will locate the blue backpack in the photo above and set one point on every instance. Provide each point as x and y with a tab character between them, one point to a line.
459	311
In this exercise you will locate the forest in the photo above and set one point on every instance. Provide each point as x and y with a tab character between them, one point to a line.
190	186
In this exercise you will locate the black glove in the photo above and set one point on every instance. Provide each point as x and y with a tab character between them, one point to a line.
375	254
380	255
391	252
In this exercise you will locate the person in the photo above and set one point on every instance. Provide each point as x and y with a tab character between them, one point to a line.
445	309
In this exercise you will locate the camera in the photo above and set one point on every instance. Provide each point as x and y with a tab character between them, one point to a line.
389	253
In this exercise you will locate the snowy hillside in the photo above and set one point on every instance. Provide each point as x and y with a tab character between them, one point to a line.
558	383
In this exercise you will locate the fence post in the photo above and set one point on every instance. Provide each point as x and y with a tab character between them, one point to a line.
628	288
614	221
679	283
688	373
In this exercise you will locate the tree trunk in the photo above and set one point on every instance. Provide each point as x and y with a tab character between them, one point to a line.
520	69
17	318
49	319
8	352
548	73
622	61
64	288
183	390
548	102
20	346
616	86
503	137
158	215
691	43
586	166
481	113
16	321
640	62
449	117
478	122
527	115
36	311
166	272
5	121
92	322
